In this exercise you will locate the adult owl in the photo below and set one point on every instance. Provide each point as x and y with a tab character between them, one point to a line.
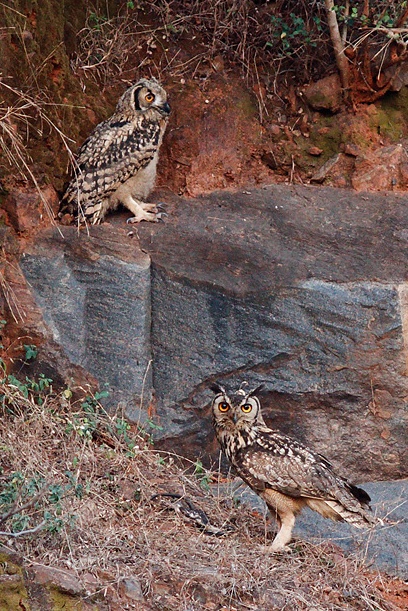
283	472
117	163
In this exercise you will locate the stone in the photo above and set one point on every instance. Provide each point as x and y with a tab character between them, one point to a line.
315	151
274	129
131	588
29	209
94	293
291	287
302	288
325	94
65	581
26	325
335	170
352	149
384	169
13	593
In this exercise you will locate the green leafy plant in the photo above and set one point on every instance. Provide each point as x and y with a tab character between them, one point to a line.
96	21
31	352
122	428
35	390
147	430
30	503
85	423
91	403
292	32
203	475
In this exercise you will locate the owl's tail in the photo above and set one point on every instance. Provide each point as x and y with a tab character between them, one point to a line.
357	516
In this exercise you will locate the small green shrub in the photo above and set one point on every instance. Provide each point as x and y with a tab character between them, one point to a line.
203	475
35	390
30	503
31	352
291	33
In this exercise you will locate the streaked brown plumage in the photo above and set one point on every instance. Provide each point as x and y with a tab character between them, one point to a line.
284	473
117	163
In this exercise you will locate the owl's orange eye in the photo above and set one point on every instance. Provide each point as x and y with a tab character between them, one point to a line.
149	97
246	408
223	406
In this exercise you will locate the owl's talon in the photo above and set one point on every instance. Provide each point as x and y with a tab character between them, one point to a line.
160	217
161	205
142	215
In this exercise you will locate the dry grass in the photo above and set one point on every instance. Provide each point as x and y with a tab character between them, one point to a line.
26	115
106	525
29	114
154	36
277	45
105	47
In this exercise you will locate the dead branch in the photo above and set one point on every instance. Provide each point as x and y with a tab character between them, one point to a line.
21	533
18	508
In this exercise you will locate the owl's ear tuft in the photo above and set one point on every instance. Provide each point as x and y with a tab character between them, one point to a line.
217	388
256	390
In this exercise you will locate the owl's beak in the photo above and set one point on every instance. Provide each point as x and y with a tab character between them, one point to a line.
165	109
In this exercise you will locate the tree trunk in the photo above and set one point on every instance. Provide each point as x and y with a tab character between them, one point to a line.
341	59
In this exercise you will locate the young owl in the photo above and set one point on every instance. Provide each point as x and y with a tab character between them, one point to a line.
284	473
117	163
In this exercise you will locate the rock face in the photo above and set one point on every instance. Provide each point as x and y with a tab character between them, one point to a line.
28	585
30	208
37	587
208	147
385	168
303	289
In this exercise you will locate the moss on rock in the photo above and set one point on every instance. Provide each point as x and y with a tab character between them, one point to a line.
12	587
392	115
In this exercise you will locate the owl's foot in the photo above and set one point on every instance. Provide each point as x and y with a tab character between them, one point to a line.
269	549
142	211
143	216
148	216
148	207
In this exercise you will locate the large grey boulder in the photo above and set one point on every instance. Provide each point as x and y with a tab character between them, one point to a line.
301	288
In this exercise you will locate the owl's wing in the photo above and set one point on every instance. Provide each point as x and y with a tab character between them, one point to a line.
95	147
114	152
115	140
281	463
